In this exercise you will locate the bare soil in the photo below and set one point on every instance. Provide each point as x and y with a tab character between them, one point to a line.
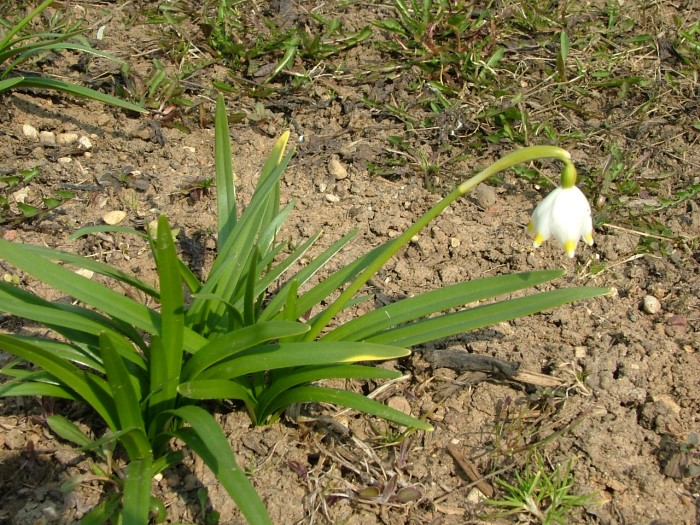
623	390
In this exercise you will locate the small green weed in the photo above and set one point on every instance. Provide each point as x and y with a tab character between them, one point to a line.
16	205
540	494
19	46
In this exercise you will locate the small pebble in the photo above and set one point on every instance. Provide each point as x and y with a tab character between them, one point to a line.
485	196
30	132
85	143
114	217
332	198
651	305
66	138
47	137
399	403
455	242
337	170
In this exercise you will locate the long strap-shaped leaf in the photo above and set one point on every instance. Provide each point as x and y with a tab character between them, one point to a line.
304	375
90	292
226	193
76	324
94	390
434	301
207	439
335	396
50	83
137	491
481	316
166	357
237	341
288	355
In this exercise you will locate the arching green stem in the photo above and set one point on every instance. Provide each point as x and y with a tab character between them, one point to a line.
384	252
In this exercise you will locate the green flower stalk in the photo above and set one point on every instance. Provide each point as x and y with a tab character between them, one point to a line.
551	218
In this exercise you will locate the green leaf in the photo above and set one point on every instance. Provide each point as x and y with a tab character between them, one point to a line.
90	292
207	439
234	342
448	325
315	394
10	389
67	430
73	322
226	194
167	356
58	85
288	379
434	301
103	511
287	355
137	491
320	291
215	389
89	264
9	83
92	389
126	396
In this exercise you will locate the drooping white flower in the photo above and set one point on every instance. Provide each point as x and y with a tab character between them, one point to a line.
565	215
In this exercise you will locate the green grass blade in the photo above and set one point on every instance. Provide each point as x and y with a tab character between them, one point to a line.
237	341
58	85
82	355
103	512
207	439
288	355
89	264
77	324
16	28
166	358
438	300
448	325
315	394
11	389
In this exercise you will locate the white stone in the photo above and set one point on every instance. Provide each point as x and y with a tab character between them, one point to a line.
114	217
651	305
30	132
336	169
66	138
47	137
85	143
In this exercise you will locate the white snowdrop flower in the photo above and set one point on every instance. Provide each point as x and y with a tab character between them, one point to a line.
565	215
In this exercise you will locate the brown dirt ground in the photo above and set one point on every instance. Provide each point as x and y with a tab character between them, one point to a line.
622	426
